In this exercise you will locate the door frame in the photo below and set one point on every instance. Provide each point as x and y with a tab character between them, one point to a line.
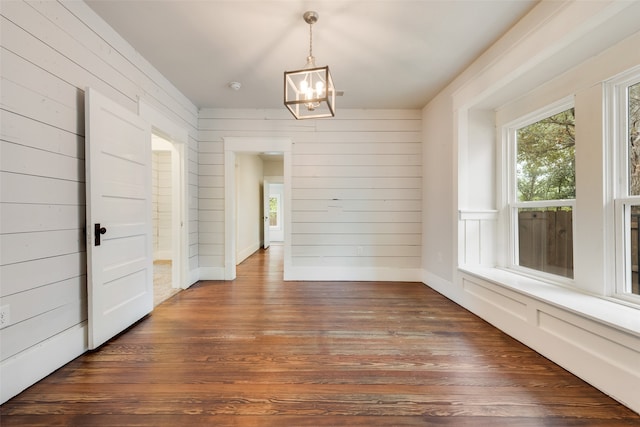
178	137
252	145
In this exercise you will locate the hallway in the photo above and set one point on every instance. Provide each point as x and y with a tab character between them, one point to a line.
262	352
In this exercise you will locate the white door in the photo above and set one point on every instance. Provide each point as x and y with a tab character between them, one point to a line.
119	243
265	213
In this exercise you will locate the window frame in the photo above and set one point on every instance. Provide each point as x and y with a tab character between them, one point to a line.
509	132
278	225
618	125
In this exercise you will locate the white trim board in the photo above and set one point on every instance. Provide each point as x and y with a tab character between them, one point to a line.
353	274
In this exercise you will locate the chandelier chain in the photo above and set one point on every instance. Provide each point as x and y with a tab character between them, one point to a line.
311	40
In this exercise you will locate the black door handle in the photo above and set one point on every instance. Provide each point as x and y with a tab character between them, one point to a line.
97	230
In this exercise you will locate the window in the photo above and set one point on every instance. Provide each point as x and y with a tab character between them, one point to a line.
274	211
542	197
626	117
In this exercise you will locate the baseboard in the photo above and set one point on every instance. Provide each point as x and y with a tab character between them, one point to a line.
30	366
194	276
353	274
211	273
440	285
247	252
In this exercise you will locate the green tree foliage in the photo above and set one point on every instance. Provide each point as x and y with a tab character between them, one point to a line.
273	211
546	158
634	139
273	204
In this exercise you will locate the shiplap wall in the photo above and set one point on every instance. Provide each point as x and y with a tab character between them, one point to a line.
356	188
162	205
50	52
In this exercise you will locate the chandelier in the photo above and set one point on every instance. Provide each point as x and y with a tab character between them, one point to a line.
309	93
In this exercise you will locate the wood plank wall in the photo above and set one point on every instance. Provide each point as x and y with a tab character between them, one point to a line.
162	205
356	186
50	52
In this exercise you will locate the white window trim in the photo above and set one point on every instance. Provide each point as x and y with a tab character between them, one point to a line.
618	179
512	204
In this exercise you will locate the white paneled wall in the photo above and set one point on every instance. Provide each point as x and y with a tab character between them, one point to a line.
50	52
161	208
356	190
476	241
155	192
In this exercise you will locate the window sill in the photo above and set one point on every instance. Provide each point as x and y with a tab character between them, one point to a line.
615	314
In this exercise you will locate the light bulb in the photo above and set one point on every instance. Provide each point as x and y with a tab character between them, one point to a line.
320	89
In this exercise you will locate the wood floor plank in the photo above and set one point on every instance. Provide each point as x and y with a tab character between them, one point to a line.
259	351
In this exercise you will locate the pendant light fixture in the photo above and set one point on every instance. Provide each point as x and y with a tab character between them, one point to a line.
309	93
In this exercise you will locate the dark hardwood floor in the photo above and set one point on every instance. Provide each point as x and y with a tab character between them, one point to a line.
262	352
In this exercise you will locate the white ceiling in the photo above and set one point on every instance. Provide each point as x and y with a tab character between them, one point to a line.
382	53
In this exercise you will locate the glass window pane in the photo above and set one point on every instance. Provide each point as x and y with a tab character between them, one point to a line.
634	233
545	168
633	119
274	208
545	240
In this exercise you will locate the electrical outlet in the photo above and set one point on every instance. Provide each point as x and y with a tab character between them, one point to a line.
5	316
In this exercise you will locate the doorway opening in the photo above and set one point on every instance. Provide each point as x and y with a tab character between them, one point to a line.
170	140
163	219
236	150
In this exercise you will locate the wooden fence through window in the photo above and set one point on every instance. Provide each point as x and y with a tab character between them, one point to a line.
546	241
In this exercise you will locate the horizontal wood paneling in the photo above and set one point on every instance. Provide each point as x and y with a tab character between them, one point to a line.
25	131
403	183
32	303
21	218
49	53
385	205
31	161
358	159
356	182
162	204
24	276
213	191
333	250
341	216
355	228
349	193
355	239
357	171
360	150
20	247
368	125
18	338
18	188
356	263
